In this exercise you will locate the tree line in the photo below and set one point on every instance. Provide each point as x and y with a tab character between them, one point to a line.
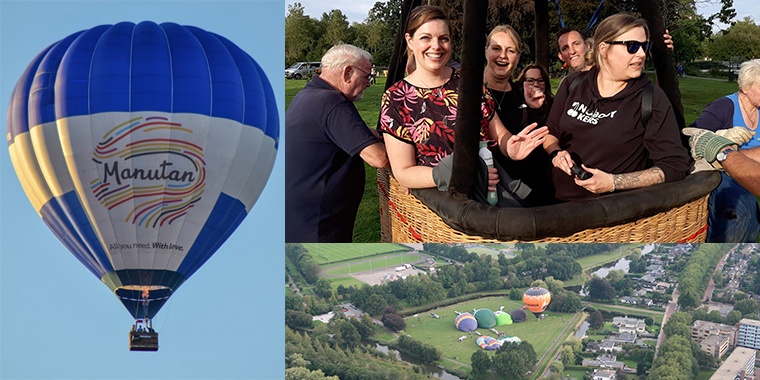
307	38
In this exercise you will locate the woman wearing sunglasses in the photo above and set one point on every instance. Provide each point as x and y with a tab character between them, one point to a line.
596	127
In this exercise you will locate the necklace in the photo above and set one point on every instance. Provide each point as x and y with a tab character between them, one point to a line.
751	121
435	90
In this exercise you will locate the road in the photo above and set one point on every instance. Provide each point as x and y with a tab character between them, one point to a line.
672	308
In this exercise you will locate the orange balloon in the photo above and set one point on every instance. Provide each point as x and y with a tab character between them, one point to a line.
536	299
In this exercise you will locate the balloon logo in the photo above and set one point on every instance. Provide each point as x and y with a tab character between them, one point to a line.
143	147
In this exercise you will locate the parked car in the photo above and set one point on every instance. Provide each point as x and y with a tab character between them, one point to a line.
301	69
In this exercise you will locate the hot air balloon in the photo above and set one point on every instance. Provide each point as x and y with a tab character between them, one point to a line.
536	300
485	317
143	147
502	318
518	315
466	322
488	343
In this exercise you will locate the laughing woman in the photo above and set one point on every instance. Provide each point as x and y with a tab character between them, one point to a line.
598	123
418	113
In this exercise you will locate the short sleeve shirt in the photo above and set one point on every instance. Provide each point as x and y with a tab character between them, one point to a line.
426	117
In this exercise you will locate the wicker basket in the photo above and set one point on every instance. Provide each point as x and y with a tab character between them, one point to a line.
664	213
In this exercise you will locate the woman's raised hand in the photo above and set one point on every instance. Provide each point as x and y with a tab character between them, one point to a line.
521	144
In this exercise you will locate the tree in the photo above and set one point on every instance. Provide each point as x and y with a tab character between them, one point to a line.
299	34
733	317
375	304
557	367
393	320
596	320
323	288
481	363
600	289
746	307
297	319
567	356
740	40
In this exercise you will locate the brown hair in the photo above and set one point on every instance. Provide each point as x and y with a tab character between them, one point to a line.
420	16
612	27
544	76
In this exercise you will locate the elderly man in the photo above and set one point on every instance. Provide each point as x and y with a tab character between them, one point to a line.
327	143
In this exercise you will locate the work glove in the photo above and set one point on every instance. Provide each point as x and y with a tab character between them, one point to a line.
442	172
738	135
706	144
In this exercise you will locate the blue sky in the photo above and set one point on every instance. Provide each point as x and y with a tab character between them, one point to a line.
57	320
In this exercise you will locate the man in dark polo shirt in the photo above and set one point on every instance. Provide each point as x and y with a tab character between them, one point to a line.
327	143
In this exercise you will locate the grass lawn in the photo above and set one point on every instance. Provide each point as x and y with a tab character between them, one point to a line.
361	265
695	94
346	282
485	251
593	261
442	334
705	374
574	373
325	253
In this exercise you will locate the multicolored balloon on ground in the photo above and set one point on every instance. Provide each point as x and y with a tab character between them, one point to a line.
143	147
466	322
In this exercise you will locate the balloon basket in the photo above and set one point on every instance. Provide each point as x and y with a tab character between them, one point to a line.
143	341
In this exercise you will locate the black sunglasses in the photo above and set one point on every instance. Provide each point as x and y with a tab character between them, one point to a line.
633	46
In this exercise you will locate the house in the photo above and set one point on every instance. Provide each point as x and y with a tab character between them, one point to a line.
625	337
609	346
604	361
604	374
700	330
625	324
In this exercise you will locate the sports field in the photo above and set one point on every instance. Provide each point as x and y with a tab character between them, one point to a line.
442	333
489	249
374	263
326	253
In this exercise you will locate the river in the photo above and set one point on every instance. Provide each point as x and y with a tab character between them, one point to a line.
622	264
433	371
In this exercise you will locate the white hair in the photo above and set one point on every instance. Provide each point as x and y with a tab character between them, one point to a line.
749	73
342	55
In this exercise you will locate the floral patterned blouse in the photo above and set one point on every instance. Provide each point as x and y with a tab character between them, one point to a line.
426	117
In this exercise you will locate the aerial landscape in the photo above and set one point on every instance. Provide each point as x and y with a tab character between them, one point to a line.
529	311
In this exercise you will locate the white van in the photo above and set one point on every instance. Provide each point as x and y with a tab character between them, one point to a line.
301	69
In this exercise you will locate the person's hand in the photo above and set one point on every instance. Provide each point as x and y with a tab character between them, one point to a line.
668	40
738	135
563	161
600	182
706	144
520	145
493	179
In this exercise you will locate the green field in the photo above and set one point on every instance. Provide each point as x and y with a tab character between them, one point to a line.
488	251
442	334
326	253
593	261
363	265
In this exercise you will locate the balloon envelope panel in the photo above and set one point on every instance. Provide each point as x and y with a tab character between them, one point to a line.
143	147
518	315
488	343
502	318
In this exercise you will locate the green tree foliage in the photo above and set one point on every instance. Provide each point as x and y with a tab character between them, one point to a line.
481	364
513	360
306	265
557	367
696	274
746	307
300	35
333	360
298	320
422	351
323	288
567	355
733	317
740	40
675	360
